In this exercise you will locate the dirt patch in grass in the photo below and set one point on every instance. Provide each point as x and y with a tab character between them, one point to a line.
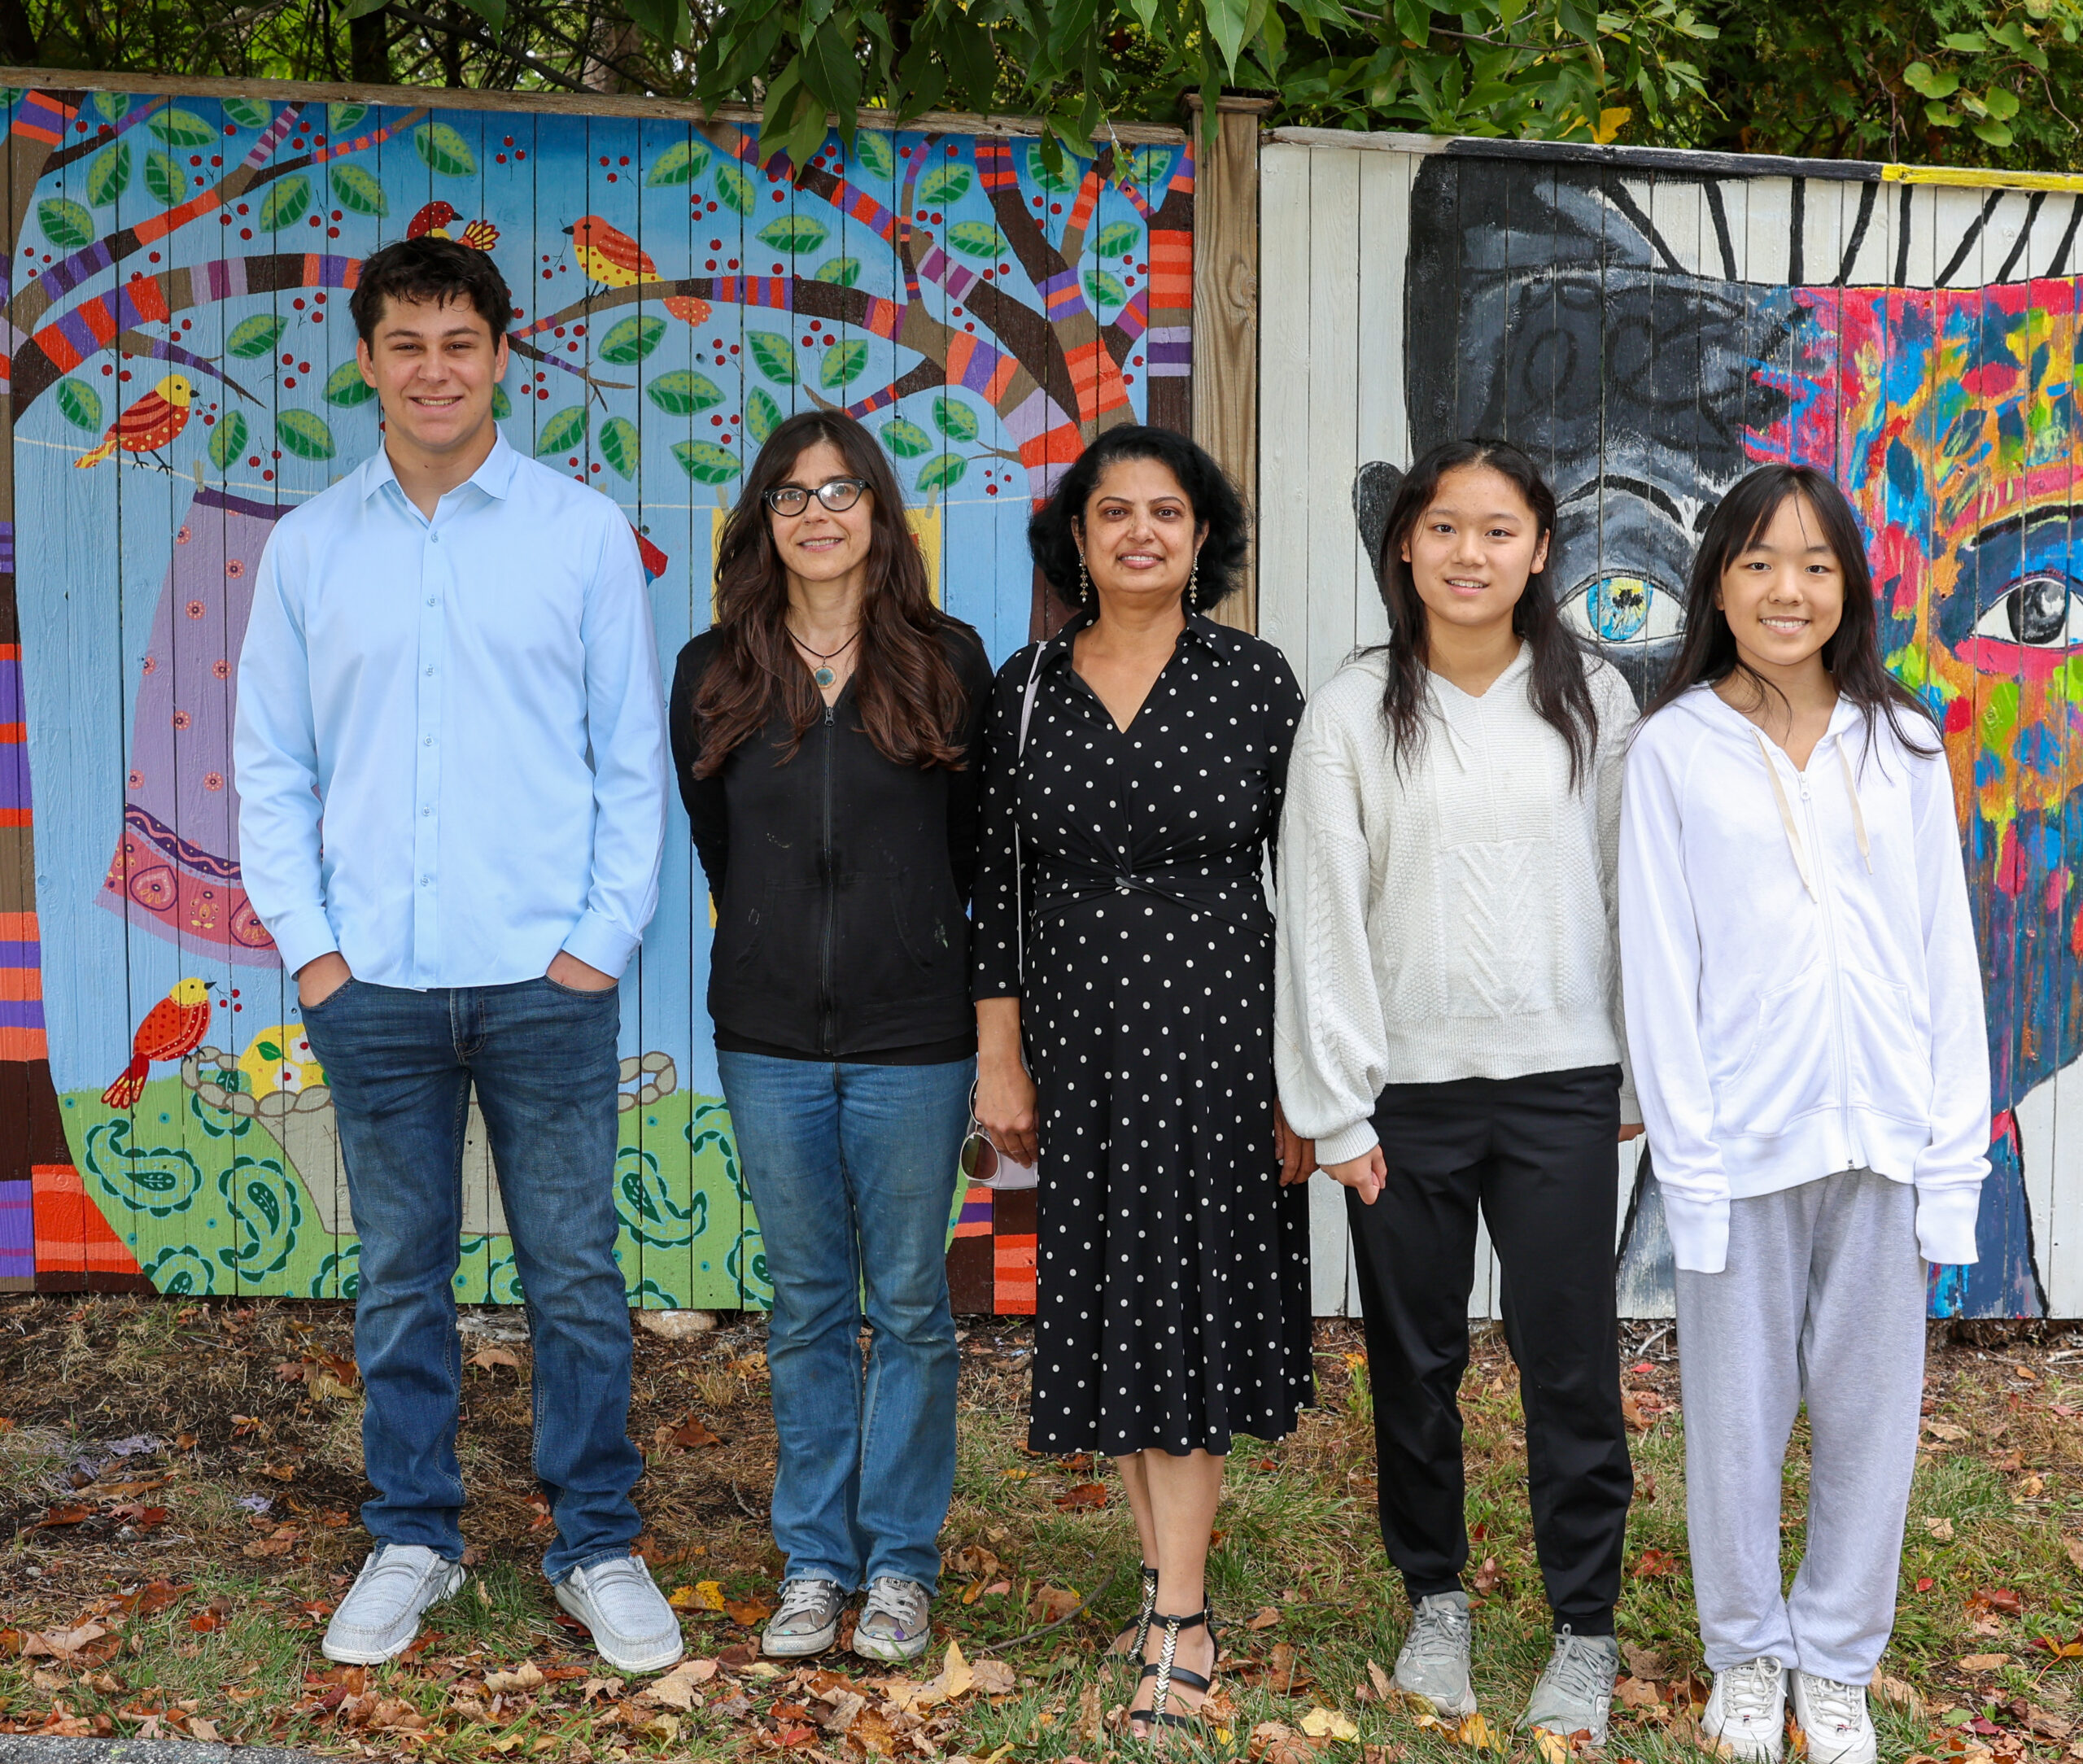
181	1479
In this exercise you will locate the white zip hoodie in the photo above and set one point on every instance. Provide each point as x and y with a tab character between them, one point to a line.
1803	993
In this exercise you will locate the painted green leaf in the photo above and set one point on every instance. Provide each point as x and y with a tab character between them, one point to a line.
80	404
775	356
1058	183
254	336
445	150
734	190
842	272
304	434
795	233
631	340
65	223
11	95
228	440
181	128
113	106
340	118
906	438
1149	168
247	114
762	415
683	392
285	203
1101	289
941	186
268	1050
872	154
108	174
355	188
562	432
954	419
706	463
618	445
346	387
1118	239
978	239
680	163
844	363
942	472
164	178
502	406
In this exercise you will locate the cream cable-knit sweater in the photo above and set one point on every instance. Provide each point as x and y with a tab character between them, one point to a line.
1453	920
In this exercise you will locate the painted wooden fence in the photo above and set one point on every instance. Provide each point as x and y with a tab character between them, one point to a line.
179	258
1649	325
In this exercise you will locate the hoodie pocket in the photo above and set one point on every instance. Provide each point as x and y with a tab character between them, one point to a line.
1889	1054
1789	1069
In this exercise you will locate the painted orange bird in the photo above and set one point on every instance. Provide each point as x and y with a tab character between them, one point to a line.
612	258
434	219
147	426
172	1027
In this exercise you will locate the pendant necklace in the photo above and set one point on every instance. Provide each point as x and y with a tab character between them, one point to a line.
823	674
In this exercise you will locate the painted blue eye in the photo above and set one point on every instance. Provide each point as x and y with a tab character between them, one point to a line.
2043	610
1620	609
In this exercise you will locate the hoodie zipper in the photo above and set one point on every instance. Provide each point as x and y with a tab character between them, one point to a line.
826	1011
1824	903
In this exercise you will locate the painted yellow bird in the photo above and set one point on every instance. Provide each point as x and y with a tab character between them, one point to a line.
147	426
611	257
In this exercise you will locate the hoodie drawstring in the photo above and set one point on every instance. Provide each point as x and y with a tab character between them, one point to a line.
1786	812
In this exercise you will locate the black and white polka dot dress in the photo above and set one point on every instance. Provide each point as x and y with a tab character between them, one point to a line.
1173	1270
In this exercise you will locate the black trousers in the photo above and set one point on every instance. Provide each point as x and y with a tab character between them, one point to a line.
1538	1154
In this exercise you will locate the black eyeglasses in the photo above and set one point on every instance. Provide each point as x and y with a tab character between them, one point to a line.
837	493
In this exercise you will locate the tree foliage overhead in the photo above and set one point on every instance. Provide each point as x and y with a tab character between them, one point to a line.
1964	82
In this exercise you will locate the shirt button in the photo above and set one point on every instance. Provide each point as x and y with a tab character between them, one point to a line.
432	601
426	812
426	881
430	673
427	742
436	537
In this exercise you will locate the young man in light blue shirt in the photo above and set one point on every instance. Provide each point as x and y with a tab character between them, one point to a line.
452	778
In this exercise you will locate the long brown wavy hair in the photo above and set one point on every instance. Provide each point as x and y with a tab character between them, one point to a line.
911	703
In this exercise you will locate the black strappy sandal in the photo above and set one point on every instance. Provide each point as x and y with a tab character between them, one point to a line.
1124	1643
1167	1674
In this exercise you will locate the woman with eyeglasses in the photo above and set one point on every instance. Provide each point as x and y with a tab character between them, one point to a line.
825	731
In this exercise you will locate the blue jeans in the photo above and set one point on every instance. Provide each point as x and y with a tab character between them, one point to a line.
542	1058
852	1170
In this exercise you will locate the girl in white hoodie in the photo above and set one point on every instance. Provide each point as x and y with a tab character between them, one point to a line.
1804	1006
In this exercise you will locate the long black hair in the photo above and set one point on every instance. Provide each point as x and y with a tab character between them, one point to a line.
1052	532
1851	654
1558	686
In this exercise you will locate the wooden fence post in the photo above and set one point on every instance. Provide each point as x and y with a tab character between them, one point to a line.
1226	313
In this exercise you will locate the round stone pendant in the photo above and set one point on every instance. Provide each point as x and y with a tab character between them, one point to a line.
824	676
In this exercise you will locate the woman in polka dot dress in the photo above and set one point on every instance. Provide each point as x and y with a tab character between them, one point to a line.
1132	781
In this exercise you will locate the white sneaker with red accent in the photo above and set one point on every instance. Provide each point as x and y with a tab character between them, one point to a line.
1835	1717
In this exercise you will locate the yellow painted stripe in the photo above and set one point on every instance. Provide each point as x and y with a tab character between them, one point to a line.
1980	177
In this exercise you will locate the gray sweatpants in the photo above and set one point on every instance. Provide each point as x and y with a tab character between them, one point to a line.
1822	1301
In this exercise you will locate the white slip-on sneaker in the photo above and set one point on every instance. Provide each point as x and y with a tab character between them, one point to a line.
1834	1719
1747	1711
1434	1662
381	1614
634	1629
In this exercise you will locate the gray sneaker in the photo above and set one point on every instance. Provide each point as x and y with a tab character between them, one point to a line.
1434	1663
808	1620
1575	1694
381	1614
893	1625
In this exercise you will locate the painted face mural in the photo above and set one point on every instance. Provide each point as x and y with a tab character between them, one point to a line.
1645	384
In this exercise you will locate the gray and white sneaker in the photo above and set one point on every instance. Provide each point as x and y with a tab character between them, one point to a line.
1575	1694
1434	1663
1747	1711
381	1614
808	1620
634	1629
1835	1717
894	1623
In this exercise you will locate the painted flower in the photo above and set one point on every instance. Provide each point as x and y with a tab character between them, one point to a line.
235	568
221	668
214	780
195	609
181	537
136	780
182	719
152	664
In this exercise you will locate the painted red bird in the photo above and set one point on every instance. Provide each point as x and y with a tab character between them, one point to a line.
172	1027
434	219
612	258
153	422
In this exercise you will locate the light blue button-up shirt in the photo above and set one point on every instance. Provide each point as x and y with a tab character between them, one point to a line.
450	739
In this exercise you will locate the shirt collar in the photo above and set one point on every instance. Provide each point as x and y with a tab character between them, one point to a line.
1219	640
494	477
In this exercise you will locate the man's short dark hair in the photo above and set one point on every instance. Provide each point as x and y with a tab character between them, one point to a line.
434	270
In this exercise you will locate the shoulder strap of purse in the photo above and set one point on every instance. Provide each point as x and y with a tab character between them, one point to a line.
1019	877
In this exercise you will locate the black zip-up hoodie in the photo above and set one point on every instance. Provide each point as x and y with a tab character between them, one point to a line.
841	880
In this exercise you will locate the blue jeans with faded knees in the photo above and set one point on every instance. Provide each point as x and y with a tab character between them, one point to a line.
852	1170
401	1064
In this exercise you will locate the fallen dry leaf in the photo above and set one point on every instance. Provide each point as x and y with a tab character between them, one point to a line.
1384	1686
1651	1563
1091	1719
1264	1617
1083	1495
2033	1487
679	1688
1632	1692
1489	1576
703	1595
693	1433
1986	1663
1476	1732
527	1676
994	1678
1902	1694
1050	1603
750	1614
486	1358
1644	1662
1274	1742
1949	1431
200	1729
2002	1600
1322	1724
1940	1529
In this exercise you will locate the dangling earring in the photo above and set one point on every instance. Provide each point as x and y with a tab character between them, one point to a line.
1194	586
1084	582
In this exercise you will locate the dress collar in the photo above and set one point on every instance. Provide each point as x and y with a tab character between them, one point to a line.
1219	640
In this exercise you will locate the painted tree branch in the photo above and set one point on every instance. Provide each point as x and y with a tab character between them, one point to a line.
138	342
